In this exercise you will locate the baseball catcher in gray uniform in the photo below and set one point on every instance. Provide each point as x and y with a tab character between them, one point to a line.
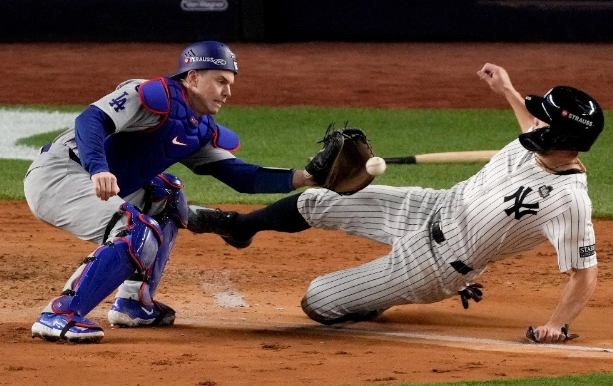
104	181
533	190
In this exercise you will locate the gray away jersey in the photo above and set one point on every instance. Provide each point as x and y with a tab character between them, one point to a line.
133	116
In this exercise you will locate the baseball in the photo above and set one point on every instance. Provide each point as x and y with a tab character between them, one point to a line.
375	166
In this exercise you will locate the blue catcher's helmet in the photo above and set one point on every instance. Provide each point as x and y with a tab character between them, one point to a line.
575	120
208	55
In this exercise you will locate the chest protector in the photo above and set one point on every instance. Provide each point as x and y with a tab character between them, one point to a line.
137	157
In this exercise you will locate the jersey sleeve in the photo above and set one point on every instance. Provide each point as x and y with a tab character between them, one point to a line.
206	155
572	234
125	108
237	174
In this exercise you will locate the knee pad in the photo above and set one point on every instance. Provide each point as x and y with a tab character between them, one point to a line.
165	199
112	263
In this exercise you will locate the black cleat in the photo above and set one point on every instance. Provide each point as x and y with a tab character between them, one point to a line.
207	220
359	316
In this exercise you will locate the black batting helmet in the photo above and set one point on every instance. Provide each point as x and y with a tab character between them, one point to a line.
575	120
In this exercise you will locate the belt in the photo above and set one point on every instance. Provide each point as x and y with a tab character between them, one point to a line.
435	228
437	235
73	156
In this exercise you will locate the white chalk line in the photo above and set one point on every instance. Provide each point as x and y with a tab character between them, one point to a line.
481	344
472	341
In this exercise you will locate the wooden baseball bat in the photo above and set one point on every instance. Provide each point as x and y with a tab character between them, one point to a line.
447	157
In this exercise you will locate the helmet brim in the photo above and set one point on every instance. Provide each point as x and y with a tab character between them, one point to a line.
536	106
178	75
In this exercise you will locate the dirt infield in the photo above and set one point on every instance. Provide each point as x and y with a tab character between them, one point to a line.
238	315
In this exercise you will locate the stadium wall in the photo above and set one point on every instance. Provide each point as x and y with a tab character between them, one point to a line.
302	20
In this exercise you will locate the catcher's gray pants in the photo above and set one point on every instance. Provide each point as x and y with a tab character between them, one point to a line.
414	271
59	192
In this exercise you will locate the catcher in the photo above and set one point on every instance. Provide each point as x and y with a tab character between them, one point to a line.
533	190
102	181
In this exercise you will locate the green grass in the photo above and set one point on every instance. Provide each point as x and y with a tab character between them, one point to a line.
605	379
286	137
40	139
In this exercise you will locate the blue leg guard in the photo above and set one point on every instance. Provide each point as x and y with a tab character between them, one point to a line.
134	304
112	263
164	192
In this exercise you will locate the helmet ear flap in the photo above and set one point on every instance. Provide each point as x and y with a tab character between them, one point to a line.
537	140
552	138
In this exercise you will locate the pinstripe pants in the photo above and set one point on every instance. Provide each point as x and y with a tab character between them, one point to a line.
414	271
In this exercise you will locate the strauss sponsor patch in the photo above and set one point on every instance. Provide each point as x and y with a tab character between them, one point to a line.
587	251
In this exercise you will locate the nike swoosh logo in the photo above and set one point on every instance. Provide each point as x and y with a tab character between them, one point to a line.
147	312
175	141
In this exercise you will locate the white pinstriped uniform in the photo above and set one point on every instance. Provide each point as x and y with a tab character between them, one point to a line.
510	206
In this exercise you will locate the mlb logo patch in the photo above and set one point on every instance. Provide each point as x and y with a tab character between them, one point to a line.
587	251
544	191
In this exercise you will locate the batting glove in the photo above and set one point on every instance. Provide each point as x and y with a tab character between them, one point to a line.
471	291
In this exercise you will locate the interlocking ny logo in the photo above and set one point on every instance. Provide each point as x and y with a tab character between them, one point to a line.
519	197
119	102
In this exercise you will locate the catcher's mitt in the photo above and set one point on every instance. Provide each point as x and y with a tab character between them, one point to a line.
341	165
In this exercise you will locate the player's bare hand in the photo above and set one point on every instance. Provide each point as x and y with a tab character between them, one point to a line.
549	334
470	291
105	185
496	77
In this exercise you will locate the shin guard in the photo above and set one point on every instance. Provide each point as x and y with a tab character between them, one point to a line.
154	273
102	272
166	202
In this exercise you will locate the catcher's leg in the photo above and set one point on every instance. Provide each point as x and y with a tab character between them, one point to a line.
238	229
97	277
134	305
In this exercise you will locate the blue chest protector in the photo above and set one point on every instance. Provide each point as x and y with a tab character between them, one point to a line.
136	157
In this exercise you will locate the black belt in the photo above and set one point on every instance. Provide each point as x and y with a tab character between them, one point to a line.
435	229
437	235
71	153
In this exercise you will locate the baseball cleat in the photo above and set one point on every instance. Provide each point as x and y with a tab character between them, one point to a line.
207	220
363	316
131	313
53	327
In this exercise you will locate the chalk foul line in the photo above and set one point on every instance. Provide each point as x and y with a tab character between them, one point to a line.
482	344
